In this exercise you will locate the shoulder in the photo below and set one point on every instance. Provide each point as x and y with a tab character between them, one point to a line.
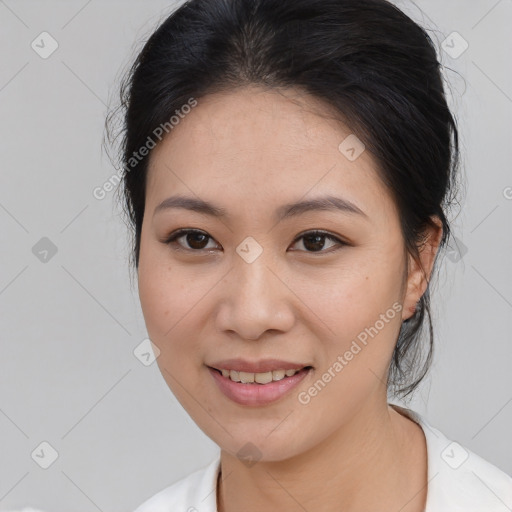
194	493
460	480
463	481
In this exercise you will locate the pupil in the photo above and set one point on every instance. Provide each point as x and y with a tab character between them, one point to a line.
191	236
317	240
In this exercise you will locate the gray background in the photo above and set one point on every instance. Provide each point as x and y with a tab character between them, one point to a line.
69	325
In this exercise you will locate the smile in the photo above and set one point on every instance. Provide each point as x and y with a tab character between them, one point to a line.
257	389
259	378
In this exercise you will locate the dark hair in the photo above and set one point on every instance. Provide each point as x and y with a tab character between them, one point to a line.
370	63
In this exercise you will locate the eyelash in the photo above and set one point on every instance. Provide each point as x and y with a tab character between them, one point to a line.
171	240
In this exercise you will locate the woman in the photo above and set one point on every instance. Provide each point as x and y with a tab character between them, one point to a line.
288	168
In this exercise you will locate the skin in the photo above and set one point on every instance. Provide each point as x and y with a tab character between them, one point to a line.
250	151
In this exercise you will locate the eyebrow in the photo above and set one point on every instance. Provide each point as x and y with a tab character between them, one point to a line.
323	203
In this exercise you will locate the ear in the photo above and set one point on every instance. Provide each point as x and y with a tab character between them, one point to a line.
420	269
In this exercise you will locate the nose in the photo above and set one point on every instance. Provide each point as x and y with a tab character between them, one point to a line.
255	299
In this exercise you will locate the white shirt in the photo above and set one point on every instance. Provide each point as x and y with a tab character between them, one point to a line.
458	481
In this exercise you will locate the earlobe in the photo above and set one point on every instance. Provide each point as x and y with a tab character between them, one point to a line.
415	284
420	268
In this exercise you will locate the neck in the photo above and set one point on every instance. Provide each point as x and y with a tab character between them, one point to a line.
377	461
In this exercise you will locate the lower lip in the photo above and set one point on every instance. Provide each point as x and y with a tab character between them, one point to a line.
257	394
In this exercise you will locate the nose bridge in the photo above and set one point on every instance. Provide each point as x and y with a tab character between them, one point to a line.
256	299
252	275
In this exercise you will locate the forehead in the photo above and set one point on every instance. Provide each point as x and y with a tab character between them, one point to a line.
254	144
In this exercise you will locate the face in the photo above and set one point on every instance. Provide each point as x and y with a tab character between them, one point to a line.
258	282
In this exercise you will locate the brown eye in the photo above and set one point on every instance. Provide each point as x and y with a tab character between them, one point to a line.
196	240
314	241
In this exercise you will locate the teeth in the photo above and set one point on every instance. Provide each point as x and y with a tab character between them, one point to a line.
246	377
260	378
279	374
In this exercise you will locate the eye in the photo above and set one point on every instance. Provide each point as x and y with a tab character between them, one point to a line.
313	241
195	238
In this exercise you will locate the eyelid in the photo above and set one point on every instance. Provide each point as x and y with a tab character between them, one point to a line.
328	235
171	239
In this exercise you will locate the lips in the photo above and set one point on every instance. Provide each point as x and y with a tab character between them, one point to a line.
261	366
258	394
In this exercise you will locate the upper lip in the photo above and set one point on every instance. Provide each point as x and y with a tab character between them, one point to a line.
262	366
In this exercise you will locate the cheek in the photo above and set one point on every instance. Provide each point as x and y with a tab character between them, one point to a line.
169	318
155	299
358	308
363	313
165	308
353	295
165	301
160	288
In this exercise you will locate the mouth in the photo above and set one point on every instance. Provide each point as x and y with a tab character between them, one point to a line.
261	378
258	389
